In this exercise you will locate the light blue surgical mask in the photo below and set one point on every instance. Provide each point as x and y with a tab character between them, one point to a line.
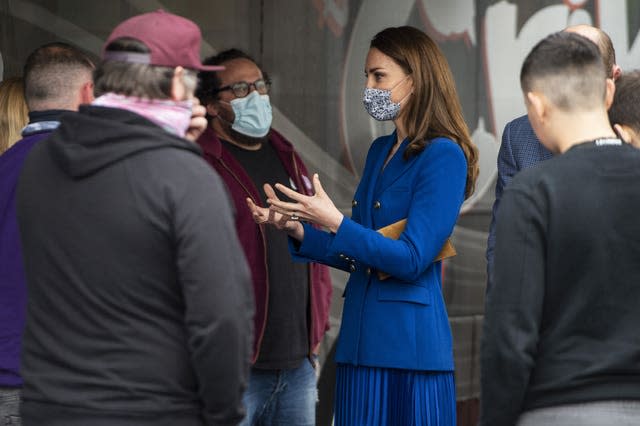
379	105
253	115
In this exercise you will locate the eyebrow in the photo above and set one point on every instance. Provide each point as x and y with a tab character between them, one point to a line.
373	69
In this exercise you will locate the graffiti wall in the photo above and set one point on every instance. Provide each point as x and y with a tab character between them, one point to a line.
314	51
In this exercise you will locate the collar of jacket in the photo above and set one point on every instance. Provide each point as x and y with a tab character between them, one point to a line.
210	142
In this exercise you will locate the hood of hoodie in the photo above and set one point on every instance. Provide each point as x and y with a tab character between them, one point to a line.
97	137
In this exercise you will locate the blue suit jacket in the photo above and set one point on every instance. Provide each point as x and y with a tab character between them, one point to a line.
400	322
520	149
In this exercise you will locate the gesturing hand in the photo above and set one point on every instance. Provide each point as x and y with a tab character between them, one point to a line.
317	208
269	216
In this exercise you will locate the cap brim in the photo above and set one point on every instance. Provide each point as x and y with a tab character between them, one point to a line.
211	68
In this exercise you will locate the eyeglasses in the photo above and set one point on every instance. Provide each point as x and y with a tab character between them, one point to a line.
242	88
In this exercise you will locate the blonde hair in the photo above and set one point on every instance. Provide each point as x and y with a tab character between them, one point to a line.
14	114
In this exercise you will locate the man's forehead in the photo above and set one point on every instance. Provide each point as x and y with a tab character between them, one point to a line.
239	69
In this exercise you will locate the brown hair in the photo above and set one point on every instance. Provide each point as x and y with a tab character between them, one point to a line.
625	109
14	114
568	69
53	74
433	110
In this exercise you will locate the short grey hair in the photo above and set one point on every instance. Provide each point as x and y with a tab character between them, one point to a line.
135	79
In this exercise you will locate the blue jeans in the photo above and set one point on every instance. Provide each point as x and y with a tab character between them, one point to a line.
281	397
10	407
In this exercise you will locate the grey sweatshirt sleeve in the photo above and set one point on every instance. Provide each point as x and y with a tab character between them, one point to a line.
513	308
218	296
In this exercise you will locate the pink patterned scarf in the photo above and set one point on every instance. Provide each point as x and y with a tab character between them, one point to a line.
172	116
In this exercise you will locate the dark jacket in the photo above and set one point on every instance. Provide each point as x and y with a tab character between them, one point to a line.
519	150
13	287
139	309
561	320
252	236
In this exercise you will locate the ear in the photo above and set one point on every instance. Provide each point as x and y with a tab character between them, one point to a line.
626	133
86	93
610	91
212	109
616	72
538	105
178	91
412	82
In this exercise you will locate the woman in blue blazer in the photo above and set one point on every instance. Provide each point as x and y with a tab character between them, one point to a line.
394	355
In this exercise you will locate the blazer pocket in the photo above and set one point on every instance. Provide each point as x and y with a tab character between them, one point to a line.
388	292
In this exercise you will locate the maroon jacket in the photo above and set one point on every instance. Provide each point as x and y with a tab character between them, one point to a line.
252	236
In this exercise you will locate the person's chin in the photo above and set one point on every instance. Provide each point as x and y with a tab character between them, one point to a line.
248	140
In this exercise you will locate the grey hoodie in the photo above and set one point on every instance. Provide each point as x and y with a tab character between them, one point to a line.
140	307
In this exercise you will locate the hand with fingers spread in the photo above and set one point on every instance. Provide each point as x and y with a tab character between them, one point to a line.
272	217
318	209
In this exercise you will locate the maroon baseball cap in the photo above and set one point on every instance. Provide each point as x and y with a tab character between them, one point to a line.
173	41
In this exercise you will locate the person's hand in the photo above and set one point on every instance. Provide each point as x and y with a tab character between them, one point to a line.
270	216
318	209
198	123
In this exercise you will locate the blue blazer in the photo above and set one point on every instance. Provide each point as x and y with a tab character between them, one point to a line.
520	149
400	322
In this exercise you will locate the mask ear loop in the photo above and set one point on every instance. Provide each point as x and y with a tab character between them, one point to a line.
400	82
405	98
408	94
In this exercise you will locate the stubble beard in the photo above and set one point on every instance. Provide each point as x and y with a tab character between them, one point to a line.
247	140
239	137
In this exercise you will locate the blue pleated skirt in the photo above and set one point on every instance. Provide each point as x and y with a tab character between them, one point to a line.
370	396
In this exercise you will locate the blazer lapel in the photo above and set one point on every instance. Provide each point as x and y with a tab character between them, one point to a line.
372	180
395	168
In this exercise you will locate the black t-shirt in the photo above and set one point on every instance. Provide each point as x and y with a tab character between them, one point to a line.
285	342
